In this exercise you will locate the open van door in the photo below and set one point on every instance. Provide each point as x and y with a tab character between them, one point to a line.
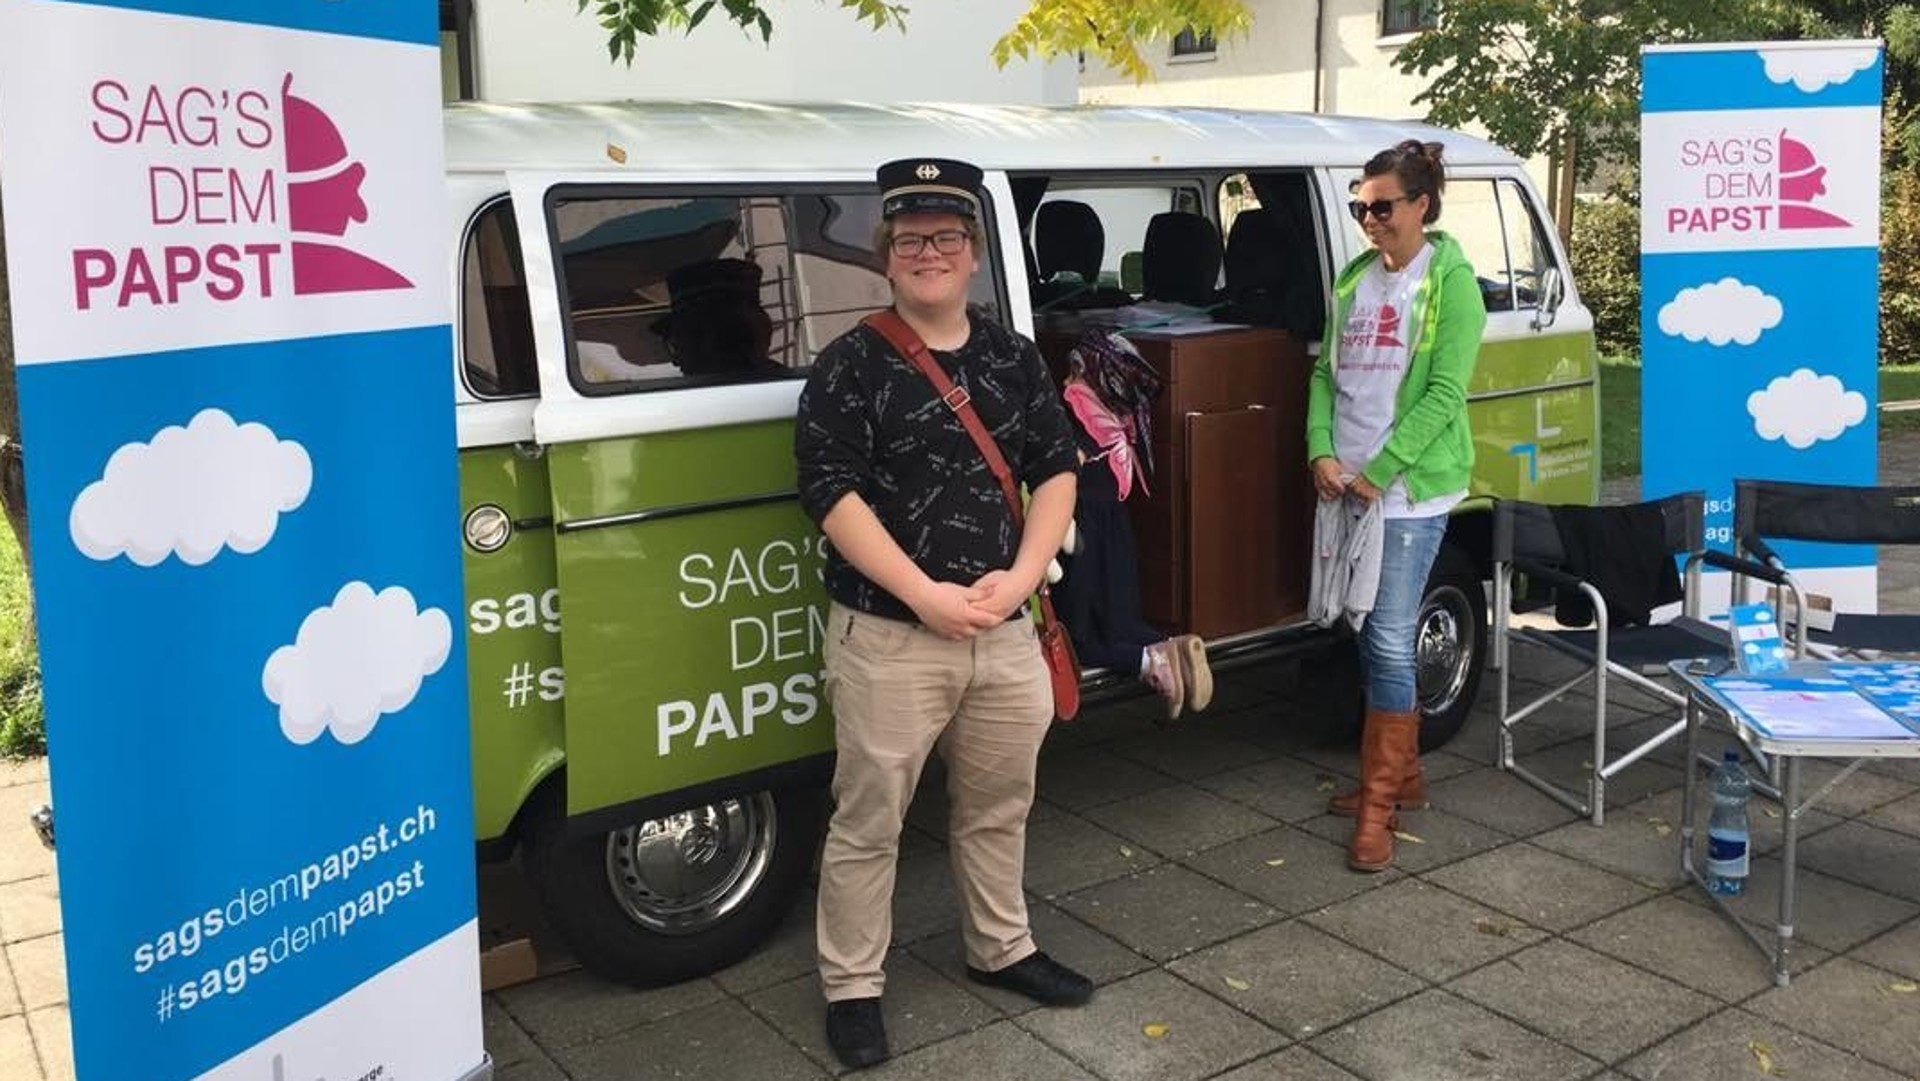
692	610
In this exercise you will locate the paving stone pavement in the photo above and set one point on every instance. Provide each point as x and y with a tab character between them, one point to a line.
1192	872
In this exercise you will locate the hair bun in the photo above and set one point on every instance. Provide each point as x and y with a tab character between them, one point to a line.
1432	151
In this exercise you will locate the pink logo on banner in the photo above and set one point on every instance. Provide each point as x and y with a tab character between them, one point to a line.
323	197
229	216
1802	179
1751	184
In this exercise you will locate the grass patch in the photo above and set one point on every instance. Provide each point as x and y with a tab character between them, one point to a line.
22	721
1620	411
1619	417
1900	384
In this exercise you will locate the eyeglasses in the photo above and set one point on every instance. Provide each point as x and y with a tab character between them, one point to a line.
1381	209
946	242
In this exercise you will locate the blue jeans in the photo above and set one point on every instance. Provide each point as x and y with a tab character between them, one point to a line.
1407	550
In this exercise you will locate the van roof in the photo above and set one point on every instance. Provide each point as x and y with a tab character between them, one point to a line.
752	137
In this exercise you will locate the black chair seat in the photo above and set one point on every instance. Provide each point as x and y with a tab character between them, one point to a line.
1641	649
1884	633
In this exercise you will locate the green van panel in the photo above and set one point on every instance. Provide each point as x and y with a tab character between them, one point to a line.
695	611
514	679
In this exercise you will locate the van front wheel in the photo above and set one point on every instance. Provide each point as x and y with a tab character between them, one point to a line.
671	898
1450	648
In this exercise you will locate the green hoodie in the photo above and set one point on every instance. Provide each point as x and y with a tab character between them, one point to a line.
1431	444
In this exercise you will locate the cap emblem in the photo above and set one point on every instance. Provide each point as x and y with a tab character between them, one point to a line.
929	171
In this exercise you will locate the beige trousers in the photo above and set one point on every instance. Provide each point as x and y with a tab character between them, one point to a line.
897	691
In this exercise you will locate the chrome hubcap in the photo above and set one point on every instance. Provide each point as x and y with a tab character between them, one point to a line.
683	873
1442	652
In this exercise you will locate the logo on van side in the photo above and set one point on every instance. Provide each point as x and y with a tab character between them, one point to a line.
296	209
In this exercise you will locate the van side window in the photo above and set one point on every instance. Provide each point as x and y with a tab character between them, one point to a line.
1470	213
1495	224
1527	250
496	328
718	287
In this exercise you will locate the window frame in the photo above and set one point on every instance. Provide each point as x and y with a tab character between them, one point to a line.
555	194
1200	46
1415	16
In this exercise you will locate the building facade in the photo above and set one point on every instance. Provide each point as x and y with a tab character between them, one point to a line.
1328	56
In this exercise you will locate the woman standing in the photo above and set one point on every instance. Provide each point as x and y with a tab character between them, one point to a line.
1387	422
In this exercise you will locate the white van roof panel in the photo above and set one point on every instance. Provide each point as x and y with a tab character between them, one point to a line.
755	137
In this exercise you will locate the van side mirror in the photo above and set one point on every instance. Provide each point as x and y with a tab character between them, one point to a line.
1553	289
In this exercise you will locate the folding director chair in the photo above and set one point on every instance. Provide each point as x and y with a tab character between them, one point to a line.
1834	513
1527	542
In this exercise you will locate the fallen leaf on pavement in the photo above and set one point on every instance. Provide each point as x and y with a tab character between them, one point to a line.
1408	837
1238	985
1325	782
1660	826
1275	862
1903	987
1495	928
1770	812
1127	852
1155	1029
1762	1055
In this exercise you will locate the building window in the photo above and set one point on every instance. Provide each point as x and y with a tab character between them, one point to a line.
1188	42
1408	16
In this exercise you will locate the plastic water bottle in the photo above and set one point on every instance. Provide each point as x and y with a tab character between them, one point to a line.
1727	828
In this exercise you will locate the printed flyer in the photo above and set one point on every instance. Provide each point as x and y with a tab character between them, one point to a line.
231	317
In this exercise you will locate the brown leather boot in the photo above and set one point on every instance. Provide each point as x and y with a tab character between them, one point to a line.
1412	797
1389	742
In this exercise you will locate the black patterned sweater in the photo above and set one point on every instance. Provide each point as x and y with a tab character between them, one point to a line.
869	422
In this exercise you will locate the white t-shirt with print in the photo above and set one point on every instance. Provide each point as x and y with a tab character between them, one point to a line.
1372	362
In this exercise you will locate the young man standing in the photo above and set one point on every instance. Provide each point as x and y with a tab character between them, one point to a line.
928	639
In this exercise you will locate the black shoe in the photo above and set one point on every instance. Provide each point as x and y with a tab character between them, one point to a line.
856	1033
1040	978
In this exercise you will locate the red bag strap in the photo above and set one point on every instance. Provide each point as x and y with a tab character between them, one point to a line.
905	341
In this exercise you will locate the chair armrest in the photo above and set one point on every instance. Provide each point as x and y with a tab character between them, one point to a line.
1552	576
1748	567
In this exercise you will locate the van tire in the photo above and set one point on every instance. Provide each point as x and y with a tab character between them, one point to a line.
1453	631
627	925
1450	650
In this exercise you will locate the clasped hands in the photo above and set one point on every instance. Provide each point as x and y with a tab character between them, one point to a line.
958	612
1332	479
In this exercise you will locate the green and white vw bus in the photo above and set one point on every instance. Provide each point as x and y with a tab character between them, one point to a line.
645	611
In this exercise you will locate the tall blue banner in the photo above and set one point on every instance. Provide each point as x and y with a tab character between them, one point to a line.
1760	290
230	307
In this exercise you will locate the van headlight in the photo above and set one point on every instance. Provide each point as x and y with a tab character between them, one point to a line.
488	528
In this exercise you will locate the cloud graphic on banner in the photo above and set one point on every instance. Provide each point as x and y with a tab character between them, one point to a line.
1813	70
1805	408
354	661
1728	310
191	492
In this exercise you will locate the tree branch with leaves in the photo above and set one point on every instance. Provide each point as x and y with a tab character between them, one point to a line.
1112	30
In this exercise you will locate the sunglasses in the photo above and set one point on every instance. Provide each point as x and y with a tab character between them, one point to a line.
1381	209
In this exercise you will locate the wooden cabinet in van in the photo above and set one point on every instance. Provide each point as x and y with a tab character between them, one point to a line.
1223	540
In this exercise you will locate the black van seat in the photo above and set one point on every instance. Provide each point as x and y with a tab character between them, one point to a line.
1180	259
1068	239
